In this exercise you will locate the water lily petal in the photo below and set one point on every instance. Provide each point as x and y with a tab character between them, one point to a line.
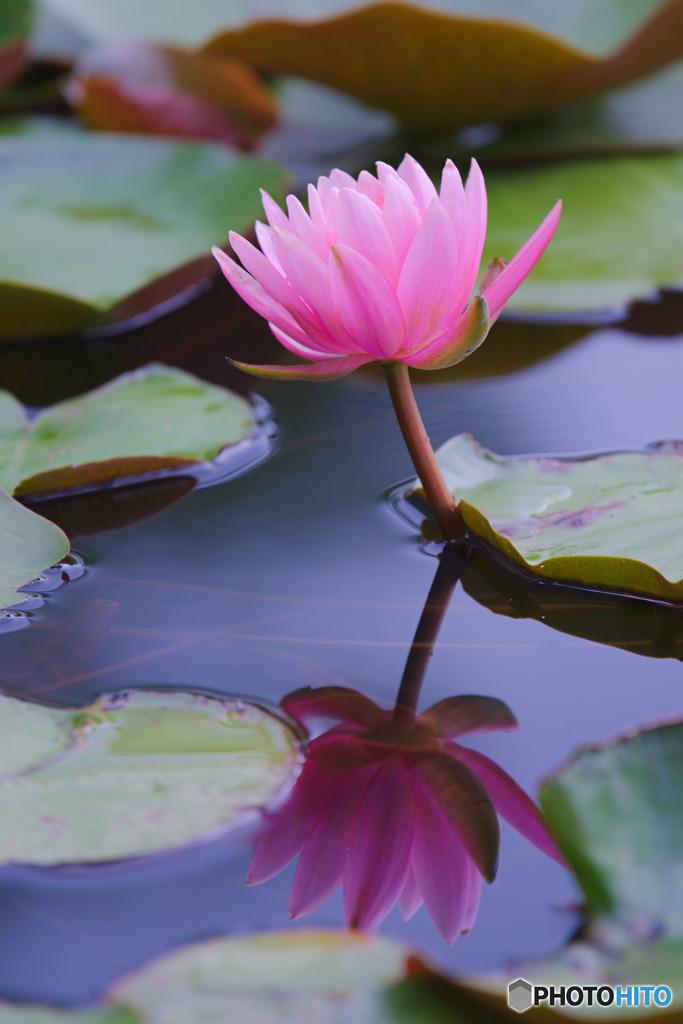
317	213
427	279
359	225
255	295
510	800
319	871
304	228
339	702
329	369
284	832
452	197
452	347
410	900
418	181
522	263
472	880
366	302
455	716
277	218
400	216
441	869
464	805
344	752
370	186
379	847
473	236
299	348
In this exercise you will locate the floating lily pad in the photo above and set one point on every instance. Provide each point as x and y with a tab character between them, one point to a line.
619	239
435	71
88	219
12	1013
140	773
609	521
151	419
318	976
28	544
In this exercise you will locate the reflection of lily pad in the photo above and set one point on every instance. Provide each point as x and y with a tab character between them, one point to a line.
609	521
152	419
28	544
435	71
88	219
619	239
140	773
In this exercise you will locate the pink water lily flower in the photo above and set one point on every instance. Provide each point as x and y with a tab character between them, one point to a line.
379	269
392	808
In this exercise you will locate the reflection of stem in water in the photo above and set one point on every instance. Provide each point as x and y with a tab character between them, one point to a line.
451	565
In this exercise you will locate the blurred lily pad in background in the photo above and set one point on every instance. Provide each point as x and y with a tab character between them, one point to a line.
88	219
608	521
137	773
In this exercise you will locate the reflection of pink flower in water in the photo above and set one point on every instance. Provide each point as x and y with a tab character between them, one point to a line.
393	809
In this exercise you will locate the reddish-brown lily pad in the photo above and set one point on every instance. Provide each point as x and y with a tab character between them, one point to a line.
436	71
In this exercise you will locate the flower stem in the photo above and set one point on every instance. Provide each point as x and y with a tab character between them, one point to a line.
415	436
449	570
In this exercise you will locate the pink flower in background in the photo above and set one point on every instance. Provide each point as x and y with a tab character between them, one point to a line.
379	269
393	809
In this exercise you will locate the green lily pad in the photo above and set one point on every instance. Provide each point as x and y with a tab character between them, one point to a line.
28	544
619	238
435	71
12	1013
88	219
140	773
608	521
151	419
318	976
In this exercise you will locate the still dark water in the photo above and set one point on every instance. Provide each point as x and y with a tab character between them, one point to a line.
299	573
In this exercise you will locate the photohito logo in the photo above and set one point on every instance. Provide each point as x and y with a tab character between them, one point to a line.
522	995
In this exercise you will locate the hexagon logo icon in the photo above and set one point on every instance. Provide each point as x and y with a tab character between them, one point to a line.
519	995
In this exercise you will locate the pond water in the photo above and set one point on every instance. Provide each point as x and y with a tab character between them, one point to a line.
300	573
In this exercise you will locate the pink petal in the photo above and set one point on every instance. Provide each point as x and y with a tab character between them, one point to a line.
342	753
370	186
256	296
466	714
317	213
285	832
321	864
473	237
339	702
425	286
359	225
452	197
378	859
473	883
418	181
264	235
522	263
366	302
456	344
277	218
329	369
341	179
299	349
400	215
442	872
304	228
464	806
510	800
410	900
308	276
311	332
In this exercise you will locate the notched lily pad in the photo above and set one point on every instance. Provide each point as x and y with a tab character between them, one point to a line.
28	544
154	419
138	773
608	520
89	219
